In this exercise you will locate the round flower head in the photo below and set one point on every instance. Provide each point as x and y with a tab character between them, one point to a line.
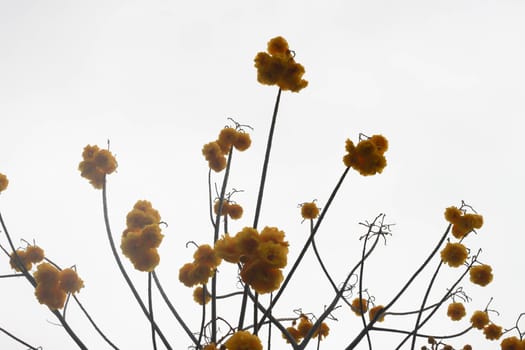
22	260
272	254
294	333
322	331
278	46
226	139
235	211
3	182
215	157
452	214
242	142
273	234
34	254
206	255
146	207
492	331
146	259
52	296
261	277
69	281
511	343
247	241
201	296
96	164
479	319
380	142
226	248
151	236
456	311
374	311
481	275
224	209
138	219
454	254
243	340
309	210
359	306
366	157
304	326
46	274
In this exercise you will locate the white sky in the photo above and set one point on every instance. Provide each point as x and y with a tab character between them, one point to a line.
443	80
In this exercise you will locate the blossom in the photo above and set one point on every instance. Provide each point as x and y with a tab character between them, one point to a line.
452	214
226	248
322	331
374	311
304	326
191	274
69	281
235	211
454	254
309	210
359	306
96	164
247	241
201	296
46	274
213	154
23	260
273	254
492	331
481	274
479	319
294	333
34	254
512	343
242	141
261	277
226	139
462	223
278	67
142	236
3	182
206	255
456	311
51	296
211	346
243	340
367	157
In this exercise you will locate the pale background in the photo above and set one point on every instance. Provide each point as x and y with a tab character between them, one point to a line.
443	80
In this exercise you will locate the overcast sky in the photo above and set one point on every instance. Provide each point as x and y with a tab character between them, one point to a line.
442	80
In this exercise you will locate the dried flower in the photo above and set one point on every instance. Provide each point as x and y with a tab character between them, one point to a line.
454	254
479	319
243	340
456	311
492	331
309	210
3	182
481	275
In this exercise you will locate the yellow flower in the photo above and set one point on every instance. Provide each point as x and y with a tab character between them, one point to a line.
359	306
242	142
34	254
213	154
481	275
3	182
192	274
22	259
201	296
512	343
456	311
492	331
322	331
294	333
146	259
243	340
96	164
261	277
46	274
452	214
273	254
69	281
479	319
226	248
309	210
224	209
279	67
454	254
374	311
210	347
247	241
272	234
235	211
205	255
304	326
465	224
151	236
367	157
52	296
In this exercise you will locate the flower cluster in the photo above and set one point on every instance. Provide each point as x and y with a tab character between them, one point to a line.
304	326
462	223
278	67
243	340
27	257
233	210
142	236
215	152
3	182
263	256
205	262
367	157
480	320
53	285
96	164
